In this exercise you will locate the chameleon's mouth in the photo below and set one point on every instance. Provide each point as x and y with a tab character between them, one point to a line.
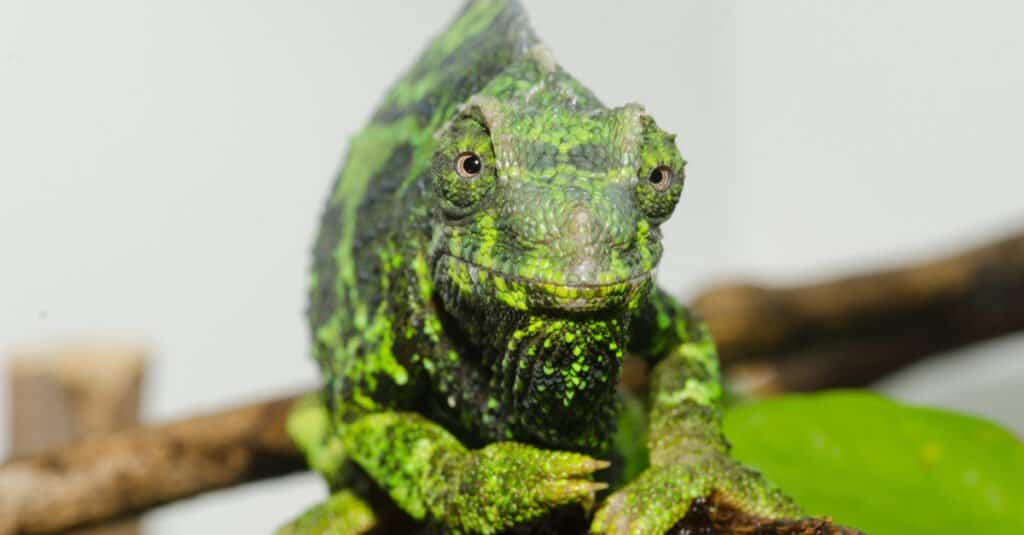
524	293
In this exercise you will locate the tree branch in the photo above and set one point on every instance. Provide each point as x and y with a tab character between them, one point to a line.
854	330
109	476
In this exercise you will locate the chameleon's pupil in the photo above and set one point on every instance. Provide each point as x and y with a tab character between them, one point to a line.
468	164
660	178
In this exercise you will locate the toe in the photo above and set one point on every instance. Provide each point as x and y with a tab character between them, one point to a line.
751	493
650	504
562	491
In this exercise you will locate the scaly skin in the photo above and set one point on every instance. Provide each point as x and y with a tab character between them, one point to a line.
470	321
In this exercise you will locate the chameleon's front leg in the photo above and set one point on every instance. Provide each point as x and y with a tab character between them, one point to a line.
432	476
689	456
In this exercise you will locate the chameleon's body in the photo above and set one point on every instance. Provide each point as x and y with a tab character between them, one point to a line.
484	262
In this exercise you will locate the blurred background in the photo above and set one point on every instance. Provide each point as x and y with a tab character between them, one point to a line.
163	165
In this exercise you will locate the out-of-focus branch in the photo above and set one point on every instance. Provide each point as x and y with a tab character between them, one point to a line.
851	331
106	477
66	392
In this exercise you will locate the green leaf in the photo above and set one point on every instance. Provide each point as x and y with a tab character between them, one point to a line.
883	467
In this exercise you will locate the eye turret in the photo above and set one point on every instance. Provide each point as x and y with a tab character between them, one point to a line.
463	168
660	174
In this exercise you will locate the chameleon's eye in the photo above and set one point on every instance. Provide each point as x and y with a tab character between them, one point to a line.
659	174
461	168
468	165
658	193
660	178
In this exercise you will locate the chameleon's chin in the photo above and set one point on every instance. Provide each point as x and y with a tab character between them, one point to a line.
475	283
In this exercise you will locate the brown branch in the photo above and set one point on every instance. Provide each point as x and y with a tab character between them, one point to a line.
106	477
66	392
716	515
845	331
852	331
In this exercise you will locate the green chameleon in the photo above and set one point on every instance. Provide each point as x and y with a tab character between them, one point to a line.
485	261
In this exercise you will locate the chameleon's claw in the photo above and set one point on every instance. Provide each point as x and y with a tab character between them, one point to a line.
568	464
570	490
505	483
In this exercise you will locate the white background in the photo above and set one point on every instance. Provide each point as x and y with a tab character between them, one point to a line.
162	167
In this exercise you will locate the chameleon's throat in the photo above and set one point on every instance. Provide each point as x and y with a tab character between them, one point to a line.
558	380
546	379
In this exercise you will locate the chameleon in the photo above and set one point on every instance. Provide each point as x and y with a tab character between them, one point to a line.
485	262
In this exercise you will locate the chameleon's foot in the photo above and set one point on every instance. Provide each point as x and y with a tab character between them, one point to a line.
309	426
507	483
661	496
343	513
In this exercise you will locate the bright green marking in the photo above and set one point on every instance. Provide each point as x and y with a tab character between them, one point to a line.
664	321
488	237
329	333
455	245
344	511
309	427
696	391
360	318
363	401
475	20
514	298
432	328
373	146
423	279
643	230
379	334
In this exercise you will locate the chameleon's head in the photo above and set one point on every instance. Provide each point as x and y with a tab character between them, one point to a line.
547	201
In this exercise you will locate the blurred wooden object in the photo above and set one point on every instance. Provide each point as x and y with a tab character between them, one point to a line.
854	330
65	393
111	475
845	332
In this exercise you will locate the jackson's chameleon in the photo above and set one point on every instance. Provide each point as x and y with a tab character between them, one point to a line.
485	260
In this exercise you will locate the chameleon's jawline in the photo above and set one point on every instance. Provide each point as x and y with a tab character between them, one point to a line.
561	297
